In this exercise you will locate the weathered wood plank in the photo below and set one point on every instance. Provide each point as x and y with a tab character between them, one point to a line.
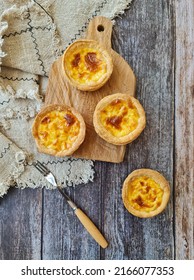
184	94
64	237
20	225
144	37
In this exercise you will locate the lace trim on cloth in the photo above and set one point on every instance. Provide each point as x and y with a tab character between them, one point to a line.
68	171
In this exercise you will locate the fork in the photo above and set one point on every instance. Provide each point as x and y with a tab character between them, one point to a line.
84	219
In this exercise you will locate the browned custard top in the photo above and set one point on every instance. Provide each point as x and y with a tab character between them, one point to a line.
86	65
145	194
58	130
120	117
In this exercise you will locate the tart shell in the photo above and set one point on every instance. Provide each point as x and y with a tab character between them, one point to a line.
104	133
159	179
75	48
75	145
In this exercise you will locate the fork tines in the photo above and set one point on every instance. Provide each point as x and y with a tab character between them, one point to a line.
41	168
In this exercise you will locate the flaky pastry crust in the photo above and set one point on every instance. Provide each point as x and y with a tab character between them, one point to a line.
145	193
119	118
61	129
87	65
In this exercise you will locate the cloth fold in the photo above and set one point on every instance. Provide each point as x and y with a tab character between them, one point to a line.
29	38
33	34
14	158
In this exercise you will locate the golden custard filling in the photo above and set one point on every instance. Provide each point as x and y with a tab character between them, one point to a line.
58	130
144	194
86	65
120	117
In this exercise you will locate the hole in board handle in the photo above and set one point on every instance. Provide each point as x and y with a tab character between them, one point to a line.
100	28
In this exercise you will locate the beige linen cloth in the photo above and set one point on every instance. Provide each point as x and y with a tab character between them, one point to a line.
33	34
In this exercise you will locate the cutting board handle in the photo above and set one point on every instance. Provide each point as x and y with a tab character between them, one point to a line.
100	29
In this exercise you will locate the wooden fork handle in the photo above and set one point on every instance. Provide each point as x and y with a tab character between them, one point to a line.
91	228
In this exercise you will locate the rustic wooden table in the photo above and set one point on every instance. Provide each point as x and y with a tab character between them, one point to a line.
156	38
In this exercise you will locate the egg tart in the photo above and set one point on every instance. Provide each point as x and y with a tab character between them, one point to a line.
119	118
58	130
145	193
87	65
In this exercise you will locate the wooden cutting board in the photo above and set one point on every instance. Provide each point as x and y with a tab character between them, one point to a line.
122	80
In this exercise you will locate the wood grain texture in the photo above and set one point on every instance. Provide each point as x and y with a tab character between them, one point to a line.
184	132
21	225
122	80
156	38
64	237
91	228
145	39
